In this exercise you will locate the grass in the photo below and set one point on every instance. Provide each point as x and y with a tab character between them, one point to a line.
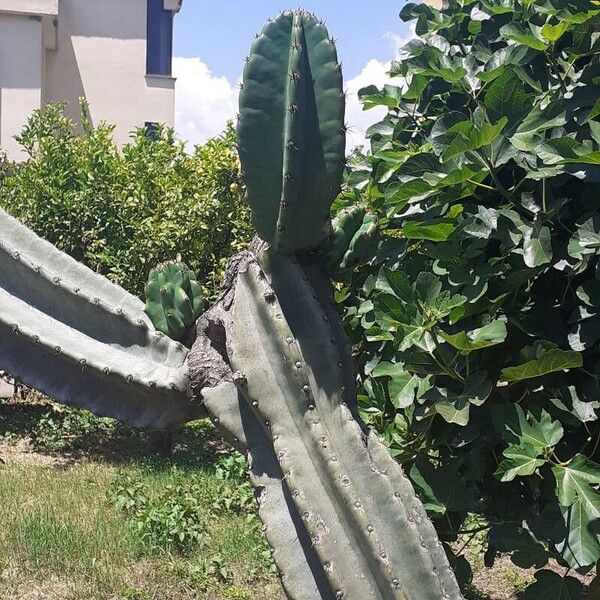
100	518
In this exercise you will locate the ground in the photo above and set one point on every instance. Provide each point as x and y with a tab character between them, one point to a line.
91	512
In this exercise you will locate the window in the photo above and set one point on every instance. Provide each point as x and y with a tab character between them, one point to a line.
159	40
152	130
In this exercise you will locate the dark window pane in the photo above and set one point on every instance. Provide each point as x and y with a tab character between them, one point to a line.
159	45
151	130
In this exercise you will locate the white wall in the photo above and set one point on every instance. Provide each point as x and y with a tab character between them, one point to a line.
102	55
21	76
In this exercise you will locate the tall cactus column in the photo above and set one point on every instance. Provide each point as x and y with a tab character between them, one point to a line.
343	520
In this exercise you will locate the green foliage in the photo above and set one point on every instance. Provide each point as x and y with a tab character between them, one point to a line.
173	518
476	320
61	428
122	211
173	299
168	521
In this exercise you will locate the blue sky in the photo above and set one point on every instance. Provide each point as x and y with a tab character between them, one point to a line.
212	39
221	32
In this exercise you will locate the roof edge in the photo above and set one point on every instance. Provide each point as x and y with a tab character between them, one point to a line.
30	7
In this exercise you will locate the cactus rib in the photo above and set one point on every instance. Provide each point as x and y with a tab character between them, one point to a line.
291	131
349	505
75	336
302	576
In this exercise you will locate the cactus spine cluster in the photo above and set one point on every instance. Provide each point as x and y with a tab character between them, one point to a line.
173	299
269	361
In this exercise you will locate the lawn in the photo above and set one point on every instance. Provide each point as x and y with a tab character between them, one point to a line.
91	511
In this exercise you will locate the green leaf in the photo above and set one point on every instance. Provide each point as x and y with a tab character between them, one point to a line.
442	489
538	430
537	122
465	137
402	389
582	547
489	335
395	282
517	33
455	407
554	32
594	112
436	232
537	246
506	97
586	239
520	461
550	362
427	287
551	586
574	478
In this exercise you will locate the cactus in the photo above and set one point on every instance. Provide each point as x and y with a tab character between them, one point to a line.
270	362
353	236
291	133
73	335
173	299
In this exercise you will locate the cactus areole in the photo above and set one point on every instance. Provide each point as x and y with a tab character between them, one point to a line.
269	362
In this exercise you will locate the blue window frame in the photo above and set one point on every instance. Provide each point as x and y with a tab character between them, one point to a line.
159	40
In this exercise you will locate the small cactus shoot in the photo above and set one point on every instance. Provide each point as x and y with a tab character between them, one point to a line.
173	299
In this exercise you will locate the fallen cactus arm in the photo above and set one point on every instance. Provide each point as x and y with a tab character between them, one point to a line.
82	340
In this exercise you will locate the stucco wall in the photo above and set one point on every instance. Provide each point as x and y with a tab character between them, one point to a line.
21	76
102	56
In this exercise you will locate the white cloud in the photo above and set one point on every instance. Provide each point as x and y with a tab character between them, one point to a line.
203	101
375	72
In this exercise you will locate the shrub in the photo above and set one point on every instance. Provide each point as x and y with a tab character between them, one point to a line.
476	324
122	211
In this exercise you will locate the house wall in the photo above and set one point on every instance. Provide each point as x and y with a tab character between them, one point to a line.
21	75
62	50
102	56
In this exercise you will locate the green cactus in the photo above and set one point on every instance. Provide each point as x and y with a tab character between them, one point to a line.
353	237
270	362
75	336
173	299
291	133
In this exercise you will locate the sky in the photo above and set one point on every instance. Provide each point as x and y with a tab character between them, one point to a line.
212	39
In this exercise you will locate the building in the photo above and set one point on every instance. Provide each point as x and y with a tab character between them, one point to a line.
115	53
